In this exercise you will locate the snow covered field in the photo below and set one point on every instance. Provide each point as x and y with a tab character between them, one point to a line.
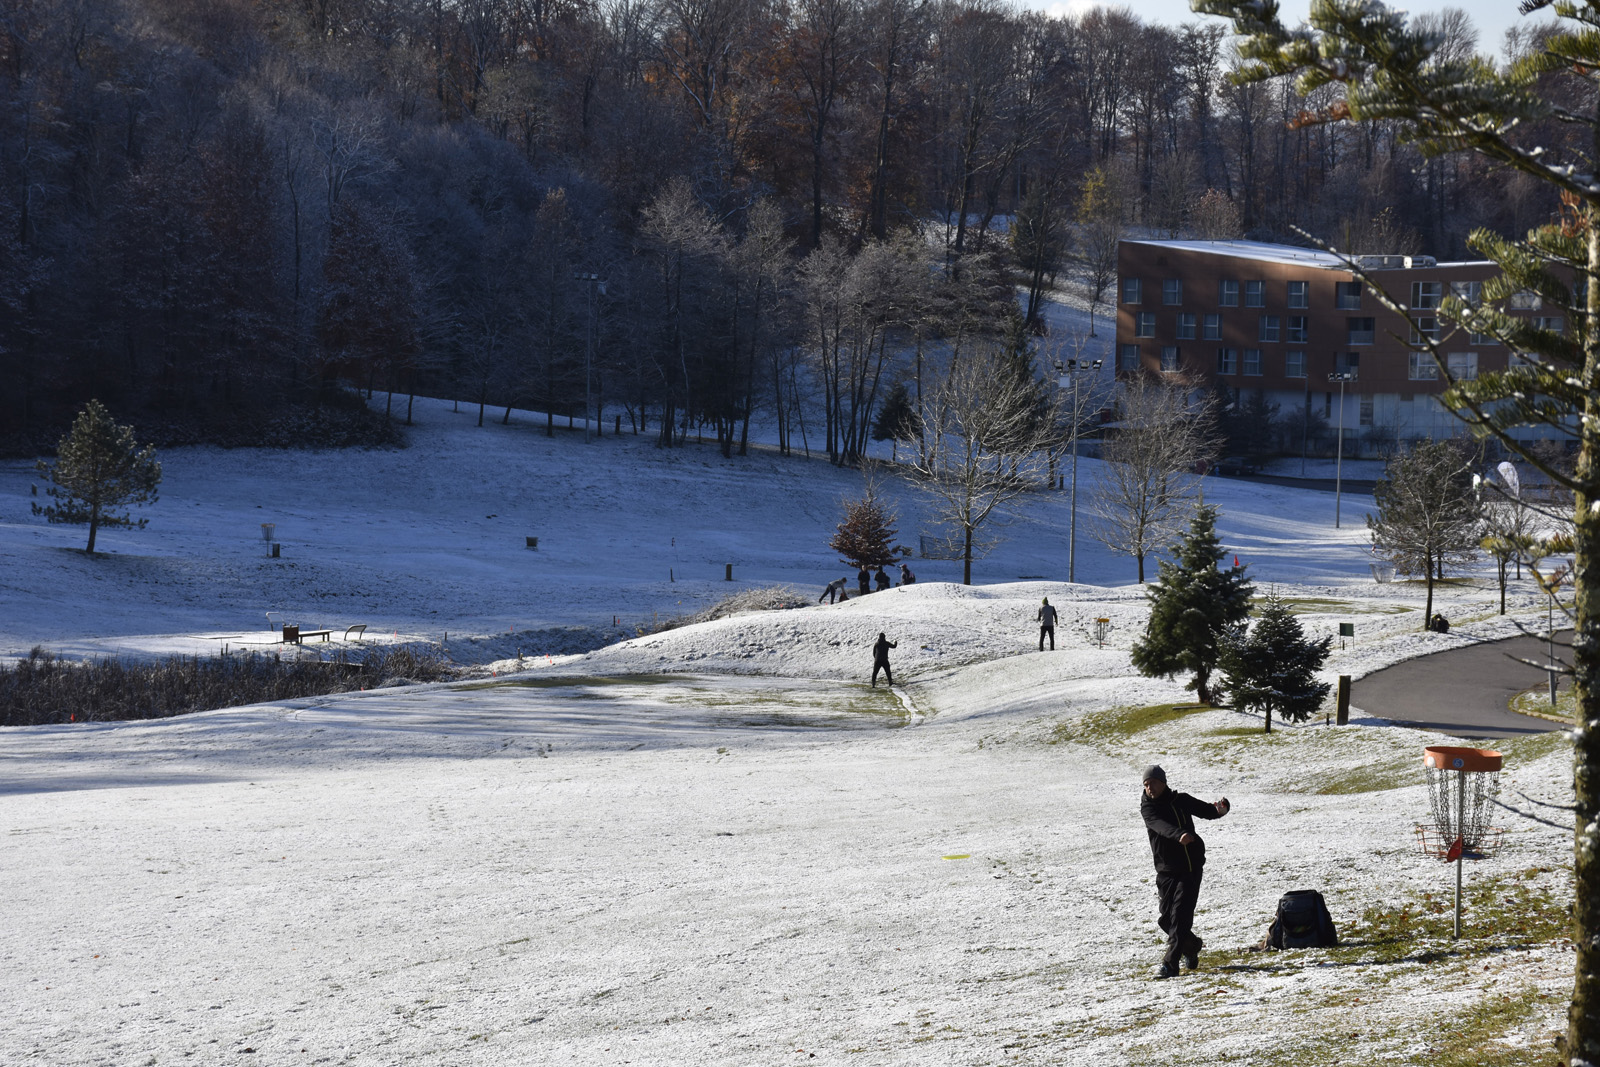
714	844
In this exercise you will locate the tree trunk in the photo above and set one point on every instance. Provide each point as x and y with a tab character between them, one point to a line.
1583	1019
966	558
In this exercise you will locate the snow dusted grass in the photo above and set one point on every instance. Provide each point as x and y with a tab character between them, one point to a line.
715	844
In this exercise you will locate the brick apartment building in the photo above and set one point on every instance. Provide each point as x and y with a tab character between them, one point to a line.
1281	319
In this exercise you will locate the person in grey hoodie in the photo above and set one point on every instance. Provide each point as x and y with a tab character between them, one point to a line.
1047	624
1180	857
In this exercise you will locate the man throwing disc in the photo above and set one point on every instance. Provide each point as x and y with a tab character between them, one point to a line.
1180	857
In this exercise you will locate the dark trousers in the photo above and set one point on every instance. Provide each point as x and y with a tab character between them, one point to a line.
1179	894
1051	632
882	665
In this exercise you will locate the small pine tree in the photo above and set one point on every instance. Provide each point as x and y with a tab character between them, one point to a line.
866	536
98	470
1273	666
1193	604
897	420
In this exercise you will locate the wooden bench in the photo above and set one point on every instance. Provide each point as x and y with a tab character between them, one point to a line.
358	629
295	635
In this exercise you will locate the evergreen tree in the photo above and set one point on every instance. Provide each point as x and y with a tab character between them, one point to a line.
1193	604
1428	515
1272	666
866	536
897	419
98	470
1519	118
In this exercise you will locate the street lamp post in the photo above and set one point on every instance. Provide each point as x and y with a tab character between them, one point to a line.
594	281
1073	368
1338	463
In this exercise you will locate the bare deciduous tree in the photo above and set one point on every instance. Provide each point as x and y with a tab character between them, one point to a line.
1149	474
1428	516
990	428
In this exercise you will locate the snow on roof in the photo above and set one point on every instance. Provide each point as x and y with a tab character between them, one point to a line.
1262	250
1267	252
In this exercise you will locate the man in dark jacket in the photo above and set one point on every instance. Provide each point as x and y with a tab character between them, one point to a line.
864	581
1180	857
880	659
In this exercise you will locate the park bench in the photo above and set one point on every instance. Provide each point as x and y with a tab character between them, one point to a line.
295	635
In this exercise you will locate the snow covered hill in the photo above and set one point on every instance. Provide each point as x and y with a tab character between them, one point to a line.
714	844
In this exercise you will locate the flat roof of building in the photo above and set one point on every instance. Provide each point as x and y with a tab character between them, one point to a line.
1261	250
1275	253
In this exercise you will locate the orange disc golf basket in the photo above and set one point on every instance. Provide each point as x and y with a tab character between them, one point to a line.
1462	783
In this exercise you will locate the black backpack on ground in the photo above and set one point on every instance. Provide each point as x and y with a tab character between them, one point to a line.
1302	922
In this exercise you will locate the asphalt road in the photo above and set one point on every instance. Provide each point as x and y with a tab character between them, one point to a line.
1464	691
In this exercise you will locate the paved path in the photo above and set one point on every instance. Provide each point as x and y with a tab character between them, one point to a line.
1465	691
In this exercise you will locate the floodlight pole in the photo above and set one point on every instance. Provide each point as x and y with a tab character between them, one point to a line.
1338	463
1072	369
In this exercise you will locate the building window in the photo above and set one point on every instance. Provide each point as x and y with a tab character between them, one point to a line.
1347	296
1186	326
1347	363
1481	339
1294	364
1130	290
1252	361
1268	328
1424	328
1227	361
1555	324
1127	357
1172	291
1297	330
1255	294
1522	300
1422	368
1462	365
1425	295
1147	324
1467	292
1327	406
1227	294
1366	411
1169	357
1299	294
1213	327
1359	331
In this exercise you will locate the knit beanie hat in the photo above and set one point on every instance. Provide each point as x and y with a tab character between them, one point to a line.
1153	771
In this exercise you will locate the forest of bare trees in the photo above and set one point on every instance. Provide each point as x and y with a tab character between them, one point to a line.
688	212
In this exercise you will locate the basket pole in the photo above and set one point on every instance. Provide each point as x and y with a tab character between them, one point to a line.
1461	840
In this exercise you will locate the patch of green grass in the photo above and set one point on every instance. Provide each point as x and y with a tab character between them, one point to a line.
1371	778
576	680
1475	1037
1520	909
1536	701
1532	747
1119	724
1240	731
1325	606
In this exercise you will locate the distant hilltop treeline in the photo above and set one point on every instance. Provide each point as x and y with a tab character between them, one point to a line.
675	212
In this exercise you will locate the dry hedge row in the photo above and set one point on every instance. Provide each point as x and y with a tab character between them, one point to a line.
45	689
